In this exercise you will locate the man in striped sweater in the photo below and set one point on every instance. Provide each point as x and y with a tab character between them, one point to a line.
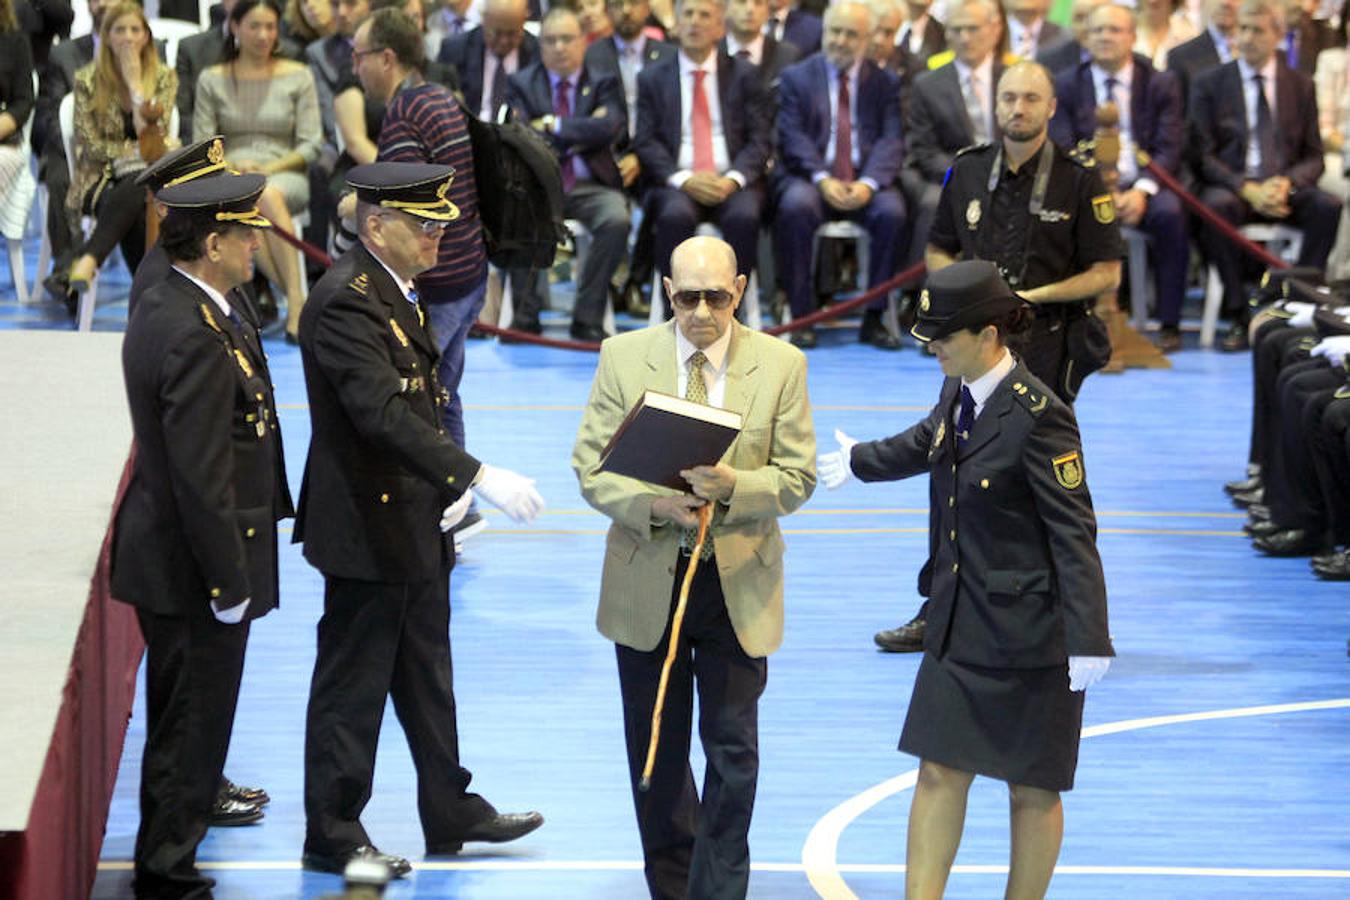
423	122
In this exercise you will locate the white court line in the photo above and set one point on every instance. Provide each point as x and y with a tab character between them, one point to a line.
622	865
820	852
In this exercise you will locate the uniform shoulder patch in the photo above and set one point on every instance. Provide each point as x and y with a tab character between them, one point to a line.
1068	468
1104	209
1031	399
360	284
973	148
209	317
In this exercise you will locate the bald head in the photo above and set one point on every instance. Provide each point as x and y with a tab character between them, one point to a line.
1025	103
709	256
703	269
504	25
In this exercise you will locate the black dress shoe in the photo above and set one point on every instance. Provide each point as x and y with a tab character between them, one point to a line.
1236	338
581	332
227	813
1169	339
1261	527
1245	486
803	338
335	863
908	638
231	791
499	829
1288	542
1335	569
874	332
1247	498
1323	559
1258	511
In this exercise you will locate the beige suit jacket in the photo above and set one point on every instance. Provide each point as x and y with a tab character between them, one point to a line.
774	458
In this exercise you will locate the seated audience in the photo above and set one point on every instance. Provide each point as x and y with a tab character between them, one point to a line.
1212	48
595	21
307	21
1162	27
267	109
17	186
1072	53
795	26
746	39
484	58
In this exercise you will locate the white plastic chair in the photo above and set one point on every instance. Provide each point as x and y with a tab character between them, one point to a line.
171	31
1287	243
847	230
15	245
1136	245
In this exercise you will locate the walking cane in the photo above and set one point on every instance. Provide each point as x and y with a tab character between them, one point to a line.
704	516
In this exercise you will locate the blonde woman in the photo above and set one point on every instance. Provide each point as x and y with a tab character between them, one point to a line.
267	109
117	97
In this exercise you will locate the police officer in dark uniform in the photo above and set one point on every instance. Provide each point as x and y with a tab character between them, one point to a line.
1045	217
383	486
1018	627
194	544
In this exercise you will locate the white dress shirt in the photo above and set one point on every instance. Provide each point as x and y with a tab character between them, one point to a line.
685	160
832	92
912	33
406	287
1024	39
754	48
512	63
714	370
982	387
1221	44
631	58
1129	164
984	74
1267	72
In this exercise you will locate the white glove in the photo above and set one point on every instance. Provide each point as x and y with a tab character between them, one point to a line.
232	616
1302	313
513	494
1333	348
455	512
834	469
1085	671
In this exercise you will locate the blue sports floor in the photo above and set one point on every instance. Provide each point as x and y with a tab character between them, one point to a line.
1218	756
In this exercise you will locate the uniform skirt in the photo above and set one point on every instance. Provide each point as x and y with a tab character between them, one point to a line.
1016	725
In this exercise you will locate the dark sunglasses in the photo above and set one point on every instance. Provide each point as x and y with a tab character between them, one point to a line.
689	300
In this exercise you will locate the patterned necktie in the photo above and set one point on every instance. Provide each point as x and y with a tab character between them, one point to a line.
700	123
1265	131
975	109
843	134
629	66
562	108
696	391
1026	44
498	94
965	419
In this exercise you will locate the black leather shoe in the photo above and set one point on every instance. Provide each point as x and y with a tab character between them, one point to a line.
908	638
1247	498
1258	511
1261	527
1245	486
874	332
499	829
1337	568
1288	542
1323	559
335	863
581	332
1236	338
227	813
803	338
231	791
1169	339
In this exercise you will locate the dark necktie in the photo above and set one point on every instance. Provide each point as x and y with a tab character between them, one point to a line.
745	55
965	418
562	108
1265	131
497	96
843	134
1111	84
1291	49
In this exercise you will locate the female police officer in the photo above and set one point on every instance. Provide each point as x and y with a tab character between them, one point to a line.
1017	589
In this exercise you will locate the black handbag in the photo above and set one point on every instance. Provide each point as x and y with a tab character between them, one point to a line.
1087	348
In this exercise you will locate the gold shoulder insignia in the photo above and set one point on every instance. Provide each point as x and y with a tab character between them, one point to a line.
1038	405
938	60
1104	209
209	318
973	148
1276	312
398	332
937	438
244	366
1265	278
1343	392
360	284
1068	469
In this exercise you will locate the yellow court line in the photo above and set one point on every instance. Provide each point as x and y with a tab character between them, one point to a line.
922	511
576	407
918	529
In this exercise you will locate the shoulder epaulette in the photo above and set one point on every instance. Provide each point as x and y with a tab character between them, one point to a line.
209	317
1082	154
1031	399
360	284
973	148
938	60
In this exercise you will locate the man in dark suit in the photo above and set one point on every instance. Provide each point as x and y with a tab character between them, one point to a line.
1305	37
383	486
195	542
1150	120
487	56
581	115
1211	48
1029	32
950	106
330	59
1069	54
1258	153
746	39
839	159
788	23
703	138
921	38
201	51
44	21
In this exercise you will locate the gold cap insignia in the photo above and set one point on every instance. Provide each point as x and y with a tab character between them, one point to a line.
1068	470
215	153
1104	209
398	332
924	302
973	214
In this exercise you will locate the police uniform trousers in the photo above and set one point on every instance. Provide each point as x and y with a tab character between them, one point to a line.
1331	460
193	667
1017	725
379	640
1291	486
1275	345
693	849
1042	348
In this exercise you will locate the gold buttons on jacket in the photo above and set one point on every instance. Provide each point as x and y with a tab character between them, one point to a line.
955	566
215	593
384	498
984	483
952	534
449	479
250	532
951	501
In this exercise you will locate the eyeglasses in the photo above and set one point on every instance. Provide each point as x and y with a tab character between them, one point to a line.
357	54
689	300
426	226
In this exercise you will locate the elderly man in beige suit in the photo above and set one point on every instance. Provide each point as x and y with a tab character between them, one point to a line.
734	618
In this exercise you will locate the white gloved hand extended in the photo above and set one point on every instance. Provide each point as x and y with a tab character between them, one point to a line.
1085	671
1333	348
455	512
1302	313
510	492
834	469
232	616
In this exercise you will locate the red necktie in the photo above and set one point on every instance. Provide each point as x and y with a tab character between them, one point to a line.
701	124
562	108
843	134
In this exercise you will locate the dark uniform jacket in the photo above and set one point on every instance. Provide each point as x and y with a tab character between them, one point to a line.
597	120
1075	228
198	522
381	469
1017	582
464	52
